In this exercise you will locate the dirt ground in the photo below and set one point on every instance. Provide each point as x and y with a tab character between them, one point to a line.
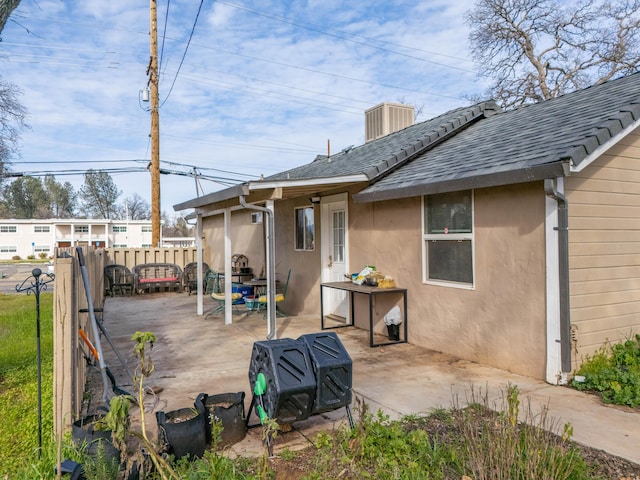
602	464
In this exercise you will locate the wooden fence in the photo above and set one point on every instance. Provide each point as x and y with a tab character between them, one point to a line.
136	256
69	364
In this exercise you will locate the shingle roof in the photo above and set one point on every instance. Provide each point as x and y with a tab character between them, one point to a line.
537	141
386	153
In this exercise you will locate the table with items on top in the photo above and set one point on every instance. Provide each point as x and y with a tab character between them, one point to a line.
371	292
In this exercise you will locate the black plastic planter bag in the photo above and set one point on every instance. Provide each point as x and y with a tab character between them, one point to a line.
183	431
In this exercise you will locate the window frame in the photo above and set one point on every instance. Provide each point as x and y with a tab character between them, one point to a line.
146	228
295	229
427	237
41	229
119	229
81	229
8	249
8	229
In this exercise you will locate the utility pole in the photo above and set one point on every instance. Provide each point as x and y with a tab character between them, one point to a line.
155	128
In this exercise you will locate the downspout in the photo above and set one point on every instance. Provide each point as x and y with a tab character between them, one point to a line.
270	263
563	271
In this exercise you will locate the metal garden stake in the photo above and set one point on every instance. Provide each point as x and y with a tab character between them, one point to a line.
36	286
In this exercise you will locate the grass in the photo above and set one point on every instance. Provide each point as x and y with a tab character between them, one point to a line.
18	377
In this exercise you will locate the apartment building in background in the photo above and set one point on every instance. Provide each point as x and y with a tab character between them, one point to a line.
24	238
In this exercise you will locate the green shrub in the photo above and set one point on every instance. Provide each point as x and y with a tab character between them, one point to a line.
614	372
43	255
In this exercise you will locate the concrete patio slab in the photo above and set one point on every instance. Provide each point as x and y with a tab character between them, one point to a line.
193	355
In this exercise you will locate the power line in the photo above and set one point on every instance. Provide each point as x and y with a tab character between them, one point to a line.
184	54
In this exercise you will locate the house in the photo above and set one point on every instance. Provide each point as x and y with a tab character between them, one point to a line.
516	233
39	237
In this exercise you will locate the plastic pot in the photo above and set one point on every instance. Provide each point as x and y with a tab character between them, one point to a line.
228	408
394	332
183	431
84	430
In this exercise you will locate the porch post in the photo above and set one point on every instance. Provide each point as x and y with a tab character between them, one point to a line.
228	279
200	273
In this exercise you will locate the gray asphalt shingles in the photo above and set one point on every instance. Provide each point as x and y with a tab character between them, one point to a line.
563	128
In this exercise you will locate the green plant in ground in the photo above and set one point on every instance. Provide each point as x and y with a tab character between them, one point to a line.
614	372
117	420
143	344
501	446
100	466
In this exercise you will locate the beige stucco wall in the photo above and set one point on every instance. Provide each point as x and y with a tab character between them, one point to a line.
604	245
501	322
246	239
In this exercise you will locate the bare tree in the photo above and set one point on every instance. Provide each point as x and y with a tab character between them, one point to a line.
99	195
137	208
535	50
12	122
6	7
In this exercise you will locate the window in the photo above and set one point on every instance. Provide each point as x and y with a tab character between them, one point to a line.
119	229
146	245
81	228
305	230
448	237
41	229
42	248
8	229
8	249
256	217
146	229
119	245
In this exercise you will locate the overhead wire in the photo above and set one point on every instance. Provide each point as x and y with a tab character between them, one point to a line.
175	78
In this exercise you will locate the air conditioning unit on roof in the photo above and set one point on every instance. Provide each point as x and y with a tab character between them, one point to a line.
387	118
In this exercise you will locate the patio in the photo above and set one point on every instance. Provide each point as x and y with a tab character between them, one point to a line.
194	355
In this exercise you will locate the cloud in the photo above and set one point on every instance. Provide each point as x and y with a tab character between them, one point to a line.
262	88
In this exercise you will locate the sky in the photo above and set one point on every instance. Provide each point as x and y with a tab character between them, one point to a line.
247	87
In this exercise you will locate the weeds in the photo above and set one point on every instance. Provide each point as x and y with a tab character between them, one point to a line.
614	372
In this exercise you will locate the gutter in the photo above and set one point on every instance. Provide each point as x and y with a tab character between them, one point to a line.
563	272
271	272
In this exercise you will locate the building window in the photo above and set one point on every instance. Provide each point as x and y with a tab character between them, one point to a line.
8	229
146	245
8	249
146	229
42	249
119	229
448	238
119	245
256	218
305	229
81	228
41	229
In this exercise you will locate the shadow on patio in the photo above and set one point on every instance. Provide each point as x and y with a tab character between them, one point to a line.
193	355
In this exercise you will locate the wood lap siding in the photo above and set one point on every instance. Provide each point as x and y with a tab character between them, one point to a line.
604	246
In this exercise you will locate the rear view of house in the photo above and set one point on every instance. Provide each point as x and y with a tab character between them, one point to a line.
516	233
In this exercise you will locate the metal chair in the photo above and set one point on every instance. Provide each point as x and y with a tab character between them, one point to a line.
216	282
280	296
191	276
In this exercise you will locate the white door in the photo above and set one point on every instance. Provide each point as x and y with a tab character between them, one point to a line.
335	263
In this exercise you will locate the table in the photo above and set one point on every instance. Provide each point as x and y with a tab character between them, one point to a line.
353	288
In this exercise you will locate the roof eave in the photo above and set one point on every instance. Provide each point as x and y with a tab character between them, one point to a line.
307	182
215	197
530	174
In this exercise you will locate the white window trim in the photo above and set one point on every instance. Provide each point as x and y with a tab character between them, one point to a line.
449	236
8	248
295	219
7	229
